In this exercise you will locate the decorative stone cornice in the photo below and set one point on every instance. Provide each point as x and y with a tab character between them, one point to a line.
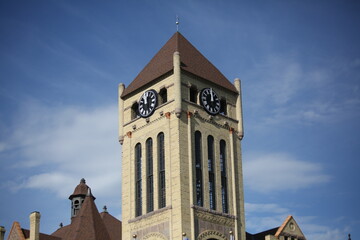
154	235
150	214
214	216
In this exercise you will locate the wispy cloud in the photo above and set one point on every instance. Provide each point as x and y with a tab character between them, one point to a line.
284	89
264	208
281	172
60	145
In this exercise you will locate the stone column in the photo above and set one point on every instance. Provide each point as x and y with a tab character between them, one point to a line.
177	83
191	176
121	113
239	113
34	226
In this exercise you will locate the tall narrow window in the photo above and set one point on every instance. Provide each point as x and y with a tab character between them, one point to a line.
193	94
138	192
149	176
224	196
223	106
163	96
212	196
161	164
134	110
198	170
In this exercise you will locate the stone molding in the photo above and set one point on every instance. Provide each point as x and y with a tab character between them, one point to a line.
214	216
211	234
150	214
154	236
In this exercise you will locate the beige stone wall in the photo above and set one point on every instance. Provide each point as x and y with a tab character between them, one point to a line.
178	216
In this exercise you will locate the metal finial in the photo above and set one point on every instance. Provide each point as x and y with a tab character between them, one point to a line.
177	23
349	237
105	208
61	225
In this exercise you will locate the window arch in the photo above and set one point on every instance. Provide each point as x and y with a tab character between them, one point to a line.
223	106
211	171
149	176
198	171
161	166
163	96
134	110
224	194
138	190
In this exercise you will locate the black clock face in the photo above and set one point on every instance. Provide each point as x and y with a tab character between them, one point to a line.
210	101
147	103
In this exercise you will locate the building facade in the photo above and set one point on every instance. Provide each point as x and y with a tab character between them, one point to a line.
180	126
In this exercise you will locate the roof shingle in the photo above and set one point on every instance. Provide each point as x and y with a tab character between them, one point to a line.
192	61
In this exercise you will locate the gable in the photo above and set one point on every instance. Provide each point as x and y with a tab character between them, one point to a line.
290	228
16	232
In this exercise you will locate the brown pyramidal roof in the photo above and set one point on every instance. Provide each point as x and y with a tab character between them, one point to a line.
191	59
87	225
112	224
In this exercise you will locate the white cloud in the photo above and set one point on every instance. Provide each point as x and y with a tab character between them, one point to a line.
280	172
316	231
282	89
61	145
264	208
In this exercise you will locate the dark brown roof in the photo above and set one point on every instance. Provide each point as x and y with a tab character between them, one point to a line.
112	225
62	232
80	190
42	236
261	235
88	224
192	61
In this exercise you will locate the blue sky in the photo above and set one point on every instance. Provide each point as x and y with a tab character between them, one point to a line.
299	61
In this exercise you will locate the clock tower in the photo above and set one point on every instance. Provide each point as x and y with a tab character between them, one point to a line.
180	127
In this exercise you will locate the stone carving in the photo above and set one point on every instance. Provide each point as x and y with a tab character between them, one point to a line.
154	236
211	234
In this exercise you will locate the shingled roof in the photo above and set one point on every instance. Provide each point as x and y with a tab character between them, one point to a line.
112	224
87	225
192	61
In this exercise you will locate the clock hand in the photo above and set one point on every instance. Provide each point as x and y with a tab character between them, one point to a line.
145	98
211	94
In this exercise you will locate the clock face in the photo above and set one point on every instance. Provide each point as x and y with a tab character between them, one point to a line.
147	103
210	101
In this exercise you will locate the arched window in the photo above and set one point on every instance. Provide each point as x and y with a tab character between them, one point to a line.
223	106
138	190
76	207
161	164
198	170
193	94
212	196
134	110
224	195
163	96
149	176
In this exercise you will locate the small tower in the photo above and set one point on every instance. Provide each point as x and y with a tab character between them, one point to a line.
78	197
